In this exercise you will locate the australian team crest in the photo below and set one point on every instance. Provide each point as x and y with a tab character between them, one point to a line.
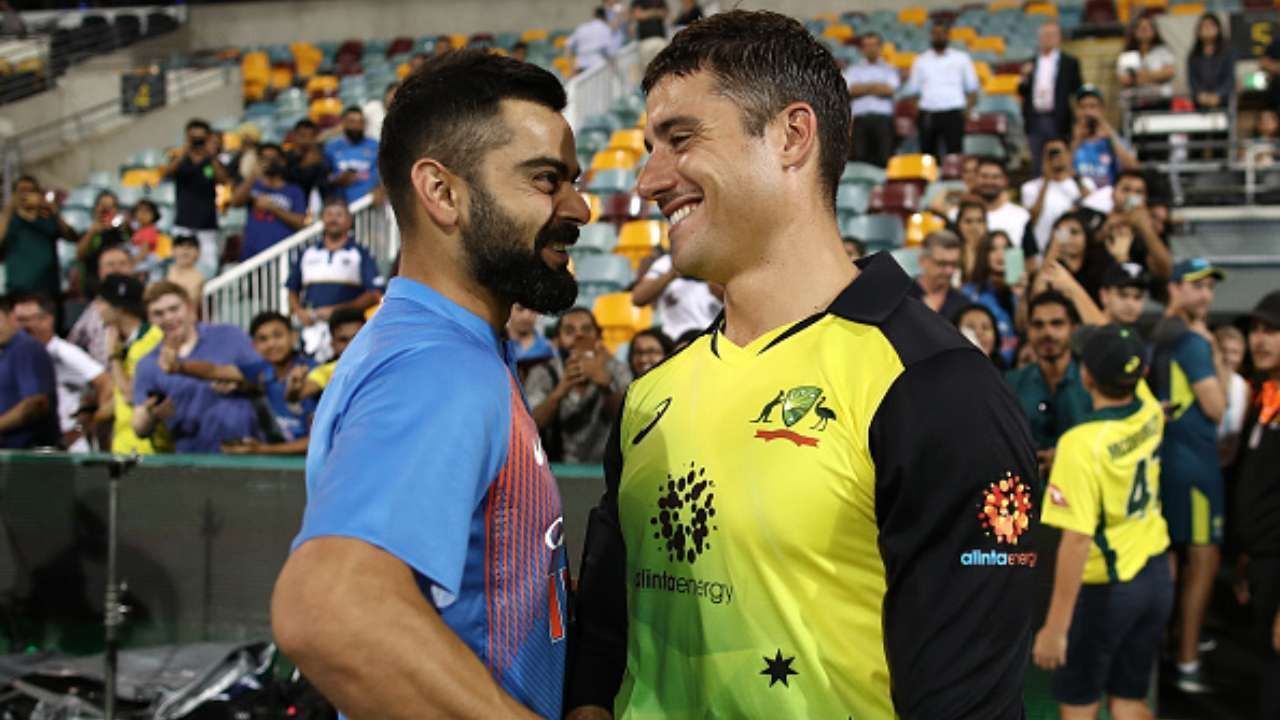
792	406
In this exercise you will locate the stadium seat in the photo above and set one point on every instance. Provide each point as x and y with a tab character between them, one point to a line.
996	6
984	145
322	86
613	159
913	167
619	318
325	110
942	188
895	198
630	139
1042	8
1009	105
534	35
1195	9
596	239
82	197
983	70
913	16
623	207
599	274
78	218
564	65
987	124
965	35
281	77
920	224
903	61
594	204
853	198
839	32
878	232
163	193
138	177
952	167
989	43
860	173
128	195
1100	12
611	182
639	238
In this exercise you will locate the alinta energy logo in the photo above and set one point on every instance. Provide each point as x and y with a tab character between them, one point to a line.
793	406
1004	512
686	514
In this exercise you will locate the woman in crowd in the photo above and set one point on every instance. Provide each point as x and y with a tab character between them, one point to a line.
1266	136
971	226
979	324
1146	67
648	348
988	287
1074	263
1210	66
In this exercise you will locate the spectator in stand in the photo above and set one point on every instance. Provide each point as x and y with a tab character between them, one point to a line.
520	51
872	84
442	46
1049	82
649	28
977	323
1074	264
853	247
684	303
1189	376
577	395
332	274
1270	64
277	207
90	331
29	231
146	237
286	424
375	110
1261	148
1232	344
83	384
344	325
352	158
306	162
1054	193
648	348
1097	150
1211	66
28	390
1129	230
244	162
592	43
530	346
1258	503
1050	391
183	271
1146	67
129	338
1123	293
971	226
947	85
945	204
939	262
110	228
690	12
993	181
199	417
196	172
989	287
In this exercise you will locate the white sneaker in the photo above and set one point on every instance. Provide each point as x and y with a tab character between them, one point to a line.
1192	683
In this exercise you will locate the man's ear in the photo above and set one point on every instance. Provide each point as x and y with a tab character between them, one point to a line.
437	192
799	125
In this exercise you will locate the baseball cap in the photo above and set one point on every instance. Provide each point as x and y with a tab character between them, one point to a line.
1268	309
1089	90
121	291
1119	275
1115	355
1196	268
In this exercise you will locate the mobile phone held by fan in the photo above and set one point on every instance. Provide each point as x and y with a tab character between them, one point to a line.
1015	265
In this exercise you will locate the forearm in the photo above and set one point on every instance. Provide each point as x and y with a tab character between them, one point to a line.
1159	261
295	221
1125	156
292	447
27	410
243	193
1073	552
647	290
544	413
104	392
205	370
365	300
142	422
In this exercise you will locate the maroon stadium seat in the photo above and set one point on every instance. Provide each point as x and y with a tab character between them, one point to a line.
952	167
987	124
1100	12
622	208
400	46
895	198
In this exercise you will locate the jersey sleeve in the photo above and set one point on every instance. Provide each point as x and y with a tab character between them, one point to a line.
946	437
1071	501
406	472
597	654
35	372
1195	357
83	368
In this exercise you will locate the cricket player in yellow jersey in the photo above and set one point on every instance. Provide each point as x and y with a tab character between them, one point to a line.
1102	639
823	506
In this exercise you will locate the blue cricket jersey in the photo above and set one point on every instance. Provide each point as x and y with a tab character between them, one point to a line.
423	446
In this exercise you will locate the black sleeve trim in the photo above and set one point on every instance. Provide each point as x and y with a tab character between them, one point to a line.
597	653
957	629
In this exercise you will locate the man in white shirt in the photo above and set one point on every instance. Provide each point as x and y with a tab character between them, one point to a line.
947	84
1055	192
376	110
592	43
1049	82
872	84
1001	214
683	303
82	381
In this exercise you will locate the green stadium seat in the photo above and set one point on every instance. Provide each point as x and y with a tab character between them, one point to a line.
859	173
78	218
83	196
605	273
596	239
984	145
853	198
101	179
609	182
877	231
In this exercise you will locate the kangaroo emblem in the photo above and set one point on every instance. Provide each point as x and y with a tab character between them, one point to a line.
824	413
769	407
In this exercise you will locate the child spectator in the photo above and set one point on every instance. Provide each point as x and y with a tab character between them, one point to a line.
186	254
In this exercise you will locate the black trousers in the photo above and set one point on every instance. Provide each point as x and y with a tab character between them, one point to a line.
1041	128
873	138
1264	587
942	133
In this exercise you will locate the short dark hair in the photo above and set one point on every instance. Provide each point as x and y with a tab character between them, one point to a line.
335	200
26	178
306	124
858	245
155	209
352	109
46	303
448	111
1053	297
266	317
343	316
993	161
1131	173
764	61
573	310
869	34
271	146
105	193
522	45
198	124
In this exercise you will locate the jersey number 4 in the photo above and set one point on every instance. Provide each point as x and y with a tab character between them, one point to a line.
1140	494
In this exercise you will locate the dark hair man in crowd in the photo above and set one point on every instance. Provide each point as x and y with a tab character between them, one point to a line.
28	391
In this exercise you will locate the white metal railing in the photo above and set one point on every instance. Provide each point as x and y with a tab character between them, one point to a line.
257	285
593	92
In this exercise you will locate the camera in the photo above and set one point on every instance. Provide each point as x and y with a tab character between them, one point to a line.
197	142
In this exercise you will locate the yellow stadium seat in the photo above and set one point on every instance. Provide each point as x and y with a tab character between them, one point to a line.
1152	4
1002	85
281	78
998	5
983	69
917	16
138	177
560	42
30	65
620	319
1042	8
613	160
639	238
1187	9
231	141
630	139
965	35
903	60
459	40
594	204
919	225
839	32
912	167
564	65
322	85
827	17
324	107
643	120
402	71
534	35
255	66
989	43
164	246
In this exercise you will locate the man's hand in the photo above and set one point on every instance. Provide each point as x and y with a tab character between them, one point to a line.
595	365
1045	459
1050	649
160	409
1275	633
1120	242
323	314
245	446
168	359
306	316
345	178
263	203
295	381
573	375
224	387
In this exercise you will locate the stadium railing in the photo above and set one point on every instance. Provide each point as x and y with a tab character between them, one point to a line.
593	92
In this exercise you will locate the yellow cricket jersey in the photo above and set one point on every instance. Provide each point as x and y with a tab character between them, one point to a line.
830	522
123	439
1106	483
322	374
